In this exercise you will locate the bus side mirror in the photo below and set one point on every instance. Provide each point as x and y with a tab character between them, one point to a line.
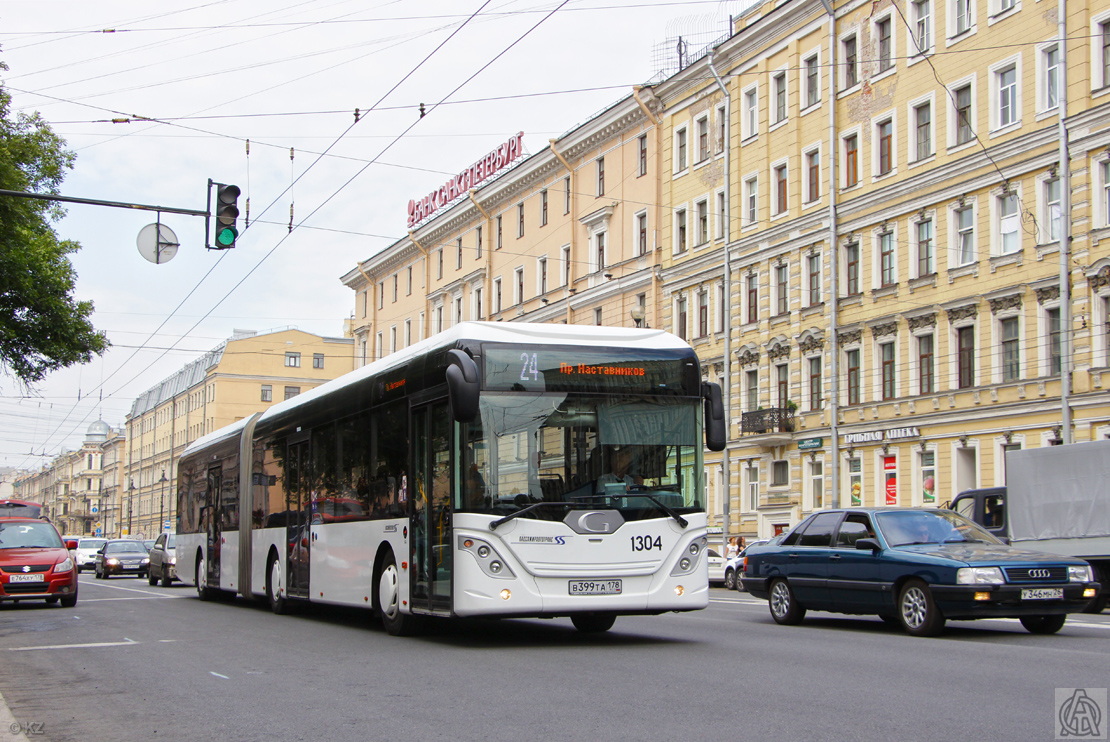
714	416
462	385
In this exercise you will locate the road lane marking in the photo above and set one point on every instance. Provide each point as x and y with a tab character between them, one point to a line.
225	677
117	587
125	643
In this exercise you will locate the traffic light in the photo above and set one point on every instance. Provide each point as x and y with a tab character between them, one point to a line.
226	213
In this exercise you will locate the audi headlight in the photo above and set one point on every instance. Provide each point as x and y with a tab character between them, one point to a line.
979	576
1082	573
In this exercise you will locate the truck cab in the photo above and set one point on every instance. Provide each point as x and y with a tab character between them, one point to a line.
987	507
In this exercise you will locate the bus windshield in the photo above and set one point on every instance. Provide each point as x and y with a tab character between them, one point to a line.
627	452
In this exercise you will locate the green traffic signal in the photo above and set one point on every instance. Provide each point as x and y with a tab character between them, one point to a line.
226	213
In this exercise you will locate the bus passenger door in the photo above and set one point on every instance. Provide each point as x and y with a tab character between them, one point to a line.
431	519
212	519
298	529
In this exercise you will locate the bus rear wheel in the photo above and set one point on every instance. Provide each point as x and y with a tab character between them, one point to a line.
395	621
203	591
593	623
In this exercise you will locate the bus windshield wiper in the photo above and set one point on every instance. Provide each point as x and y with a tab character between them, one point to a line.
524	511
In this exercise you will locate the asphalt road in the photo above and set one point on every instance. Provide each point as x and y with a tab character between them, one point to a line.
133	662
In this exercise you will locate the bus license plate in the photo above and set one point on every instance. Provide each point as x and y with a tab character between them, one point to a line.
595	587
1042	593
25	578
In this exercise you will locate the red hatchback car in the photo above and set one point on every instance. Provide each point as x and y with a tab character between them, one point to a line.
35	564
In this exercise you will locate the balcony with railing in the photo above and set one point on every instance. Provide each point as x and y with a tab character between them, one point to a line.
775	425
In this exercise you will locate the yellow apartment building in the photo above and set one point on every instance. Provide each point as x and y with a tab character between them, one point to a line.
917	275
567	234
246	374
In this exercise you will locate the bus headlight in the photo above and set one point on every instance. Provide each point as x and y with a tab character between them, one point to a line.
689	561
492	563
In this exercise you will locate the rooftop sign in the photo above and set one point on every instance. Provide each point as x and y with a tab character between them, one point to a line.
421	209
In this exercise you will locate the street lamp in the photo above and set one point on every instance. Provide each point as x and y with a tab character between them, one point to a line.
162	511
638	315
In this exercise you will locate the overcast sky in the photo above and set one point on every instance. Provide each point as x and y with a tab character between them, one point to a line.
282	74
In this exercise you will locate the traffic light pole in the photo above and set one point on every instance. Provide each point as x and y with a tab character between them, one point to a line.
99	202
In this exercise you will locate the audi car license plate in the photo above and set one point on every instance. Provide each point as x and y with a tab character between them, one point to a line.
25	578
1042	593
595	587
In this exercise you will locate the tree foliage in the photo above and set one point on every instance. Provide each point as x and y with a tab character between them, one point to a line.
42	326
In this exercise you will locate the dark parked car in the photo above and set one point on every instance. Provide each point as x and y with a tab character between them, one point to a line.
916	568
163	560
35	564
122	557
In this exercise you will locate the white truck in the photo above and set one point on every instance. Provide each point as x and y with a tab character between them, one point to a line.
1056	499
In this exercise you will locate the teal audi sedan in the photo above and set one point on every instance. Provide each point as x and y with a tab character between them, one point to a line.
915	568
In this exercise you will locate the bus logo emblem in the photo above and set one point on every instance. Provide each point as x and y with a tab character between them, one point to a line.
594	521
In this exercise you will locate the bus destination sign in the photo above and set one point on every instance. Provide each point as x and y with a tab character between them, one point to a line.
601	370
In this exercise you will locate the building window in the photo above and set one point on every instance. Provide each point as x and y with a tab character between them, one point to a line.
541	270
925	363
599	250
477	315
497	298
851	160
778	86
782	385
458	262
1011	350
543	208
643	152
851	359
499	234
722	129
780	189
753	298
1009	237
703	314
965	349
680	150
886	259
722	214
782	303
1102	43
751	112
886	354
813	81
292	391
518	286
1055	341
751	201
597	317
884	132
851	62
566	195
601	176
753	487
1006	80
851	275
680	317
923	127
964	131
292	360
1050	77
702	128
813	176
751	387
886	47
965	235
439	263
566	265
395	277
963	16
680	231
1104	169
1052	220
780	473
926	263
317	360
815	366
701	213
922	29
519	221
267	393
409	271
641	234
813	270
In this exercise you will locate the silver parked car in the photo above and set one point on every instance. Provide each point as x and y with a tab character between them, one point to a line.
86	552
163	560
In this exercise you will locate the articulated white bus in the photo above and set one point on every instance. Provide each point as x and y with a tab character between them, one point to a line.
471	474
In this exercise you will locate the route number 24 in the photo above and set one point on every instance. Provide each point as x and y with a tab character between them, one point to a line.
646	543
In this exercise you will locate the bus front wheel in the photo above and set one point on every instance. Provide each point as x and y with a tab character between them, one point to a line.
395	621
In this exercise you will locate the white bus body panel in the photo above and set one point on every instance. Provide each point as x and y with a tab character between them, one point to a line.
188	546
263	541
545	555
229	561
